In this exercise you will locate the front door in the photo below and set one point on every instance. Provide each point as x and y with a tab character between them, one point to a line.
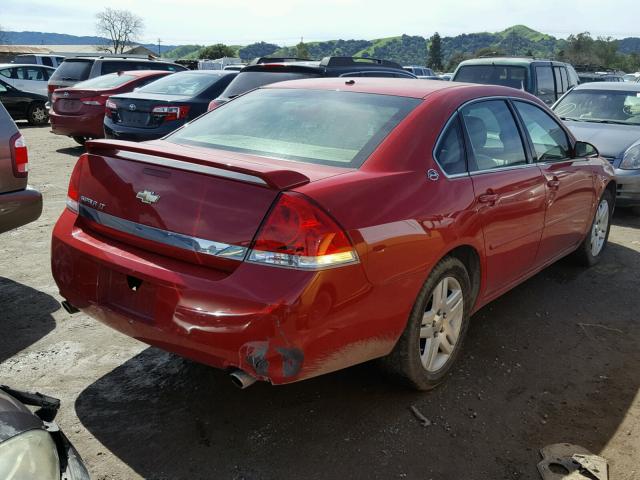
510	193
569	183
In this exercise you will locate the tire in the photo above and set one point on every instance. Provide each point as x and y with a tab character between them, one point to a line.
588	253
410	362
37	114
80	140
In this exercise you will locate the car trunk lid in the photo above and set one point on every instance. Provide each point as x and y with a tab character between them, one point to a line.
68	101
199	205
134	111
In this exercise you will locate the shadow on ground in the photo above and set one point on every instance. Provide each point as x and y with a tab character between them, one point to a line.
73	151
25	317
555	360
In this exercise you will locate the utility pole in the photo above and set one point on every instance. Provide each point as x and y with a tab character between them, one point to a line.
159	41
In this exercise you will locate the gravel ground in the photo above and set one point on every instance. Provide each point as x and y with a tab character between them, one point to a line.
555	360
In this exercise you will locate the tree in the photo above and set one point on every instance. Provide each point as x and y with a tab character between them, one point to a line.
435	52
260	49
301	50
455	59
218	50
121	27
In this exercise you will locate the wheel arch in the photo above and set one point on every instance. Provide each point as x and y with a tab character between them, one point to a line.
470	257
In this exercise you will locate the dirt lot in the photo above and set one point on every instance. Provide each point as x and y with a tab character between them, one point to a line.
555	360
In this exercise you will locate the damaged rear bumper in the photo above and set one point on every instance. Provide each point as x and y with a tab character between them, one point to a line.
279	325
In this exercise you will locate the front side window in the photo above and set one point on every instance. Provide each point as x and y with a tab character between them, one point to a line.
493	133
450	151
549	140
505	75
31	73
311	126
600	106
47	61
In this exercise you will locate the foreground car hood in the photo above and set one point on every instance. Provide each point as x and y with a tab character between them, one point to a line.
15	418
610	140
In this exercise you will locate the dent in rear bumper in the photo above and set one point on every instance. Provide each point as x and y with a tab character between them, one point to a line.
279	325
19	208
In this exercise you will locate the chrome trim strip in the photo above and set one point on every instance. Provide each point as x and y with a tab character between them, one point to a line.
190	167
502	169
172	239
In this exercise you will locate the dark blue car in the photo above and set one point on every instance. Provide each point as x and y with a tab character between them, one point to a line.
159	108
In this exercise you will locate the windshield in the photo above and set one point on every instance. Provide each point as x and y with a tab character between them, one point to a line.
181	83
602	106
325	127
246	81
112	80
73	70
505	75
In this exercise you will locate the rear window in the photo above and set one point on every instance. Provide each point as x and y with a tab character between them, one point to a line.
505	75
121	66
246	81
26	59
112	80
182	83
73	70
322	127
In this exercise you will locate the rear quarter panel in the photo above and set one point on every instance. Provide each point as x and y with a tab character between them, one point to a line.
8	182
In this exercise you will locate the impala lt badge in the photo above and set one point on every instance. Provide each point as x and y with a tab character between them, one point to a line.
148	197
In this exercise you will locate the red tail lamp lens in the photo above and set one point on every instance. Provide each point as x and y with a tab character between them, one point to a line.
73	193
299	234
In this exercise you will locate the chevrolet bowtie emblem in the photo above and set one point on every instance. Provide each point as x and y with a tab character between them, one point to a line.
148	197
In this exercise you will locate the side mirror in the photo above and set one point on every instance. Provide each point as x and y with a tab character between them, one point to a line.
584	149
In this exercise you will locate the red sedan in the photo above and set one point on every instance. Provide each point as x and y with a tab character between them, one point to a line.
315	224
78	111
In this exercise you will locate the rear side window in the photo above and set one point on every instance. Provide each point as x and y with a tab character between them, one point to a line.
31	73
549	140
450	151
505	75
6	72
494	136
545	84
26	59
47	61
73	70
246	81
310	126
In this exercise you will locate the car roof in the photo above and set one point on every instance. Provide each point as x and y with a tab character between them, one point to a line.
208	72
616	86
413	88
9	65
523	61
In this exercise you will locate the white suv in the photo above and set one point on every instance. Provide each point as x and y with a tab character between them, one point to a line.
46	60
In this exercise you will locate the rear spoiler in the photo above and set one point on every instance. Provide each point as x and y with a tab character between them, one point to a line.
248	172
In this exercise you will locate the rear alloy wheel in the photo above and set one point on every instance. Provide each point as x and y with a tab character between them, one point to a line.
430	344
590	250
37	114
81	140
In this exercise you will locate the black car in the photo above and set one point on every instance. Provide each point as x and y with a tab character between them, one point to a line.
24	105
265	70
78	69
32	446
159	108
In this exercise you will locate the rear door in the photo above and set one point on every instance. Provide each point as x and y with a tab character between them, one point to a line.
509	189
569	182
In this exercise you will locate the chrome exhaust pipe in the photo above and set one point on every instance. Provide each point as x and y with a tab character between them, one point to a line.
69	308
242	379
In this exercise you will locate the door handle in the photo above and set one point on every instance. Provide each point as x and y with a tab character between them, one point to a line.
554	183
490	197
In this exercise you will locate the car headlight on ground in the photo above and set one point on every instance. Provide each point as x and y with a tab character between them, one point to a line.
29	456
631	159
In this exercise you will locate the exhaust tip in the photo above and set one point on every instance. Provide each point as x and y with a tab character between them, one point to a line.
69	308
242	379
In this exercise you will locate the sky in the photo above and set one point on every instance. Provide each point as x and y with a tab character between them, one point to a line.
284	22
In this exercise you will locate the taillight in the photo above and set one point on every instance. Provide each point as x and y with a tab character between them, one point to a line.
51	88
299	234
99	100
73	193
109	106
171	112
213	104
19	155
